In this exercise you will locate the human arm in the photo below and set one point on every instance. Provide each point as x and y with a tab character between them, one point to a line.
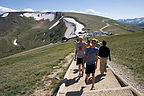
84	60
109	56
84	46
75	53
96	62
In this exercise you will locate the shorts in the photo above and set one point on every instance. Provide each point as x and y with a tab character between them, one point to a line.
90	68
79	61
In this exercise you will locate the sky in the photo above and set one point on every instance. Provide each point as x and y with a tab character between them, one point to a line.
114	9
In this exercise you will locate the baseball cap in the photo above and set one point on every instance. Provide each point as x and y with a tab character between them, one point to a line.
81	37
94	40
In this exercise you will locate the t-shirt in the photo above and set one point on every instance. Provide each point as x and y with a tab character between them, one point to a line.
88	45
80	50
91	54
104	51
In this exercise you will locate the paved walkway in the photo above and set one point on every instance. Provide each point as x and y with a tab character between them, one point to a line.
108	85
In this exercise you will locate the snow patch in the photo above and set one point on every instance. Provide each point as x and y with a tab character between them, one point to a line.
40	16
73	27
70	32
15	42
55	23
5	15
44	34
43	40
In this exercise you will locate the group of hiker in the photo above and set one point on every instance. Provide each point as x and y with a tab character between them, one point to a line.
89	53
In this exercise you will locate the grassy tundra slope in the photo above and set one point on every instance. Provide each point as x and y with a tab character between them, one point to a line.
21	74
31	33
94	23
28	32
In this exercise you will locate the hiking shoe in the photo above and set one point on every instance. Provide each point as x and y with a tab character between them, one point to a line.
92	88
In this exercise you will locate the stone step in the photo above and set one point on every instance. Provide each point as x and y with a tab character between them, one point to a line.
123	91
72	82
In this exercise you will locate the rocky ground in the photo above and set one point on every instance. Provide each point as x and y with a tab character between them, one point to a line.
126	76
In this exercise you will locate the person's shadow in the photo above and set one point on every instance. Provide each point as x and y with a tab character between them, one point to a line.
98	78
69	82
75	71
75	93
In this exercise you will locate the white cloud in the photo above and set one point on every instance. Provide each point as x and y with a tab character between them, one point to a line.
4	9
91	11
45	11
75	11
29	10
87	11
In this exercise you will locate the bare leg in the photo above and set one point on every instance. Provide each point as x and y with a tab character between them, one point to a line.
86	78
79	69
82	69
93	79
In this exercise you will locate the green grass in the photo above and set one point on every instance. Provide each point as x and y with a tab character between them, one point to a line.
21	74
30	38
128	50
93	23
15	26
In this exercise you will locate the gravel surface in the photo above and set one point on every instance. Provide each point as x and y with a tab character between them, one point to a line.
127	77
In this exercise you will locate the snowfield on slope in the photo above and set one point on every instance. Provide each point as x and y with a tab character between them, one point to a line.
15	42
73	27
55	23
5	15
40	16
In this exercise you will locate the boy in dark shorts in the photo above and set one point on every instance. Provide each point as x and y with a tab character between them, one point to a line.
91	59
79	54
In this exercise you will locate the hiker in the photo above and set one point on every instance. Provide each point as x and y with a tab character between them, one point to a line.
88	43
79	54
98	44
104	53
91	59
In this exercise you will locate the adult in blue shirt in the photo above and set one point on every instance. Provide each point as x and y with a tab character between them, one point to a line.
91	59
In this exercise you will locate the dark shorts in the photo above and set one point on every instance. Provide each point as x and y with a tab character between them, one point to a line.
79	61
90	68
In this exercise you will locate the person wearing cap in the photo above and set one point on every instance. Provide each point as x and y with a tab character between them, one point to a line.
104	53
88	43
79	54
91	59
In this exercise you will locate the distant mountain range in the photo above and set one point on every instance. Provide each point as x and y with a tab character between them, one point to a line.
135	21
21	31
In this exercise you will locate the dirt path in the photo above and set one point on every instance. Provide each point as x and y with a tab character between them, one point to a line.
107	25
108	85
